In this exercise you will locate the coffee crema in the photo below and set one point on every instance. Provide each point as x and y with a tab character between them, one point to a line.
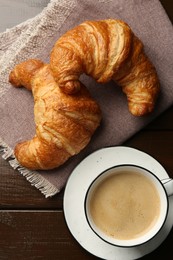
125	205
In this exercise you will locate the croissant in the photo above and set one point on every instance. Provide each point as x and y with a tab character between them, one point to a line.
106	50
64	123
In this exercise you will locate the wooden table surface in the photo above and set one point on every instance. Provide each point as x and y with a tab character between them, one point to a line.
32	227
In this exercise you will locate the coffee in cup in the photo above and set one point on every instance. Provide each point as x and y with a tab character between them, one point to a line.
126	205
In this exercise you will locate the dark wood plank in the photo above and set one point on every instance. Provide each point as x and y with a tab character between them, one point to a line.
168	5
162	122
16	192
158	144
37	235
43	235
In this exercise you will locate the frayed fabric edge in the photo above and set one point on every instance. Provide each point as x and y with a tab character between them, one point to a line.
33	177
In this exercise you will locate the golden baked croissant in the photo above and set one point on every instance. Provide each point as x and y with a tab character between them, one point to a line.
105	50
64	123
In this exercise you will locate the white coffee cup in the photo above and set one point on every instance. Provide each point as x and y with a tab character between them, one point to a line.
127	205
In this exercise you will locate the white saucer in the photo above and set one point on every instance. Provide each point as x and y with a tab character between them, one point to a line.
74	197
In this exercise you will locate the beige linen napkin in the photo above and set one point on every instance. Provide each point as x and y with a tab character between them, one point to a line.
35	38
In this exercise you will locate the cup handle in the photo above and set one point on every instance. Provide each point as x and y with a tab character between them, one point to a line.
168	184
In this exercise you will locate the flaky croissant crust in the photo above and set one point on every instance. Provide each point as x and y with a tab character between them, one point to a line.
105	50
64	123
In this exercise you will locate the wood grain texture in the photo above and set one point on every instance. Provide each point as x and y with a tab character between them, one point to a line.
30	235
34	235
17	193
163	122
158	144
